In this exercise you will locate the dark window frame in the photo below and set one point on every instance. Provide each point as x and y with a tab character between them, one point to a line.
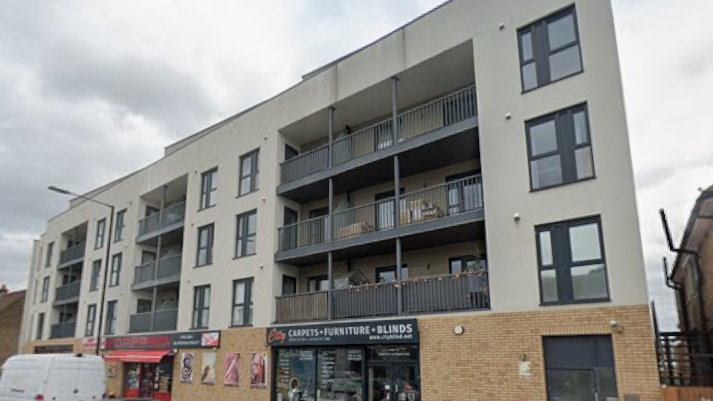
209	229
243	234
291	281
91	320
540	48
209	188
120	225
48	255
379	270
100	234
40	326
115	272
317	280
94	275
562	261
201	308
45	290
253	175
567	146
110	324
246	304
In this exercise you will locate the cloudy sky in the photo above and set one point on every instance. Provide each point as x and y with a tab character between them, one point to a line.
94	90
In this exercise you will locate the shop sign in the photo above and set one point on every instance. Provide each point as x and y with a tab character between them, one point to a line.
404	331
209	339
54	349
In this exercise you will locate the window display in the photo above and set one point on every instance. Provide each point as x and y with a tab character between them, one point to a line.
295	375
339	374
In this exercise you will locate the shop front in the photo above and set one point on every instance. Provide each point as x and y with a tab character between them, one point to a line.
144	364
365	361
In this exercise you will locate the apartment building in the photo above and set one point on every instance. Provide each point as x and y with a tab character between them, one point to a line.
447	213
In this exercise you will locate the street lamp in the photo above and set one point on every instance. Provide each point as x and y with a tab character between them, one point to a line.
106	258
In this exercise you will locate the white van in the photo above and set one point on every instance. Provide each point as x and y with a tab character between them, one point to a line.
53	377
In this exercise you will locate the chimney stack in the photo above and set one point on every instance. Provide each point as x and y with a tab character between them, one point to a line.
3	289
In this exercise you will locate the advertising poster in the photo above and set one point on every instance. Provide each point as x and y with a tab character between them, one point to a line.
258	370
187	367
232	369
208	373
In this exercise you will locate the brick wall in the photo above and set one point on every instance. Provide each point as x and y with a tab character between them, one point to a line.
482	364
10	322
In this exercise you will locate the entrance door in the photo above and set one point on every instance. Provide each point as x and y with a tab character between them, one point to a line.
580	368
395	382
289	234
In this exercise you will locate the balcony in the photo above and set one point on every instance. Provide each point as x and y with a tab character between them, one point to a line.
63	330
68	293
72	255
159	272
423	295
160	320
163	222
423	214
445	124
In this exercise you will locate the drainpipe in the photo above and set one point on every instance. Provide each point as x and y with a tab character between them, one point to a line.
680	291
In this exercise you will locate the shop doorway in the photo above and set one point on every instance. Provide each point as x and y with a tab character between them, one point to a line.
149	380
394	382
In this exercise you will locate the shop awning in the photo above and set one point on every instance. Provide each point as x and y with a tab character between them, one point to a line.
137	356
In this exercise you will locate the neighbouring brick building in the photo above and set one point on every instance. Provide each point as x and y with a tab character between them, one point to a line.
445	214
11	307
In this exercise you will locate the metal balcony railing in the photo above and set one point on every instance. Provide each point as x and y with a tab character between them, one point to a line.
63	330
68	291
448	199
165	218
442	112
72	253
421	295
163	320
158	269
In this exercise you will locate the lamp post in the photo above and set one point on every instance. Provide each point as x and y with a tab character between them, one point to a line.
100	318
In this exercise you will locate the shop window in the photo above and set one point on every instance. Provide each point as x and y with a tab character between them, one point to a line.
296	373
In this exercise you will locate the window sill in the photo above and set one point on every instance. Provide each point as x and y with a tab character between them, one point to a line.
563	184
203	265
198	328
206	208
244	256
240	326
247	193
525	91
573	302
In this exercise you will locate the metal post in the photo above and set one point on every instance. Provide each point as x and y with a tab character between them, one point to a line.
331	135
330	285
106	272
397	192
399	278
330	227
394	109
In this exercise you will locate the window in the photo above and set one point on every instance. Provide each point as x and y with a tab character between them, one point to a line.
388	274
48	256
144	306
201	307
209	184
45	289
91	316
468	264
110	318
99	239
246	234
571	262
35	290
580	368
249	170
94	278
318	283
115	270
204	256
119	226
242	302
289	285
549	50
40	325
560	148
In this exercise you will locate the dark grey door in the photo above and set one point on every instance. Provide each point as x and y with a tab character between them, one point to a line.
289	234
580	368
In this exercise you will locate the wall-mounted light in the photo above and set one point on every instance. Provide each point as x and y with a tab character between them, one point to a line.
508	116
616	326
516	217
501	26
458	330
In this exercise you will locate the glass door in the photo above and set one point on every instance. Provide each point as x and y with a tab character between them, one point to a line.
397	382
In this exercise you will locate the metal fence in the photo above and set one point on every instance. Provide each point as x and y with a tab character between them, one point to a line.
163	320
444	111
302	307
304	233
458	292
68	291
684	359
167	267
63	330
73	253
167	217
